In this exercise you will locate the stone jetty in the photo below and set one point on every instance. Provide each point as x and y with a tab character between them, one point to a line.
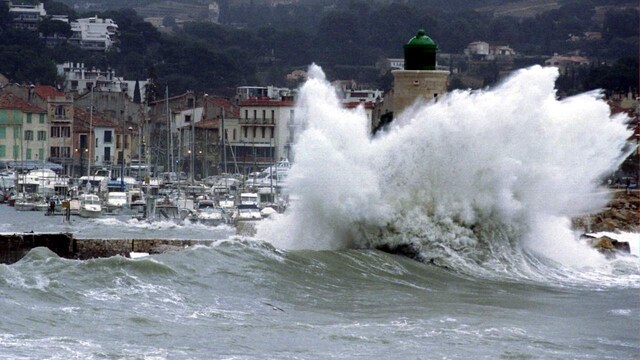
14	247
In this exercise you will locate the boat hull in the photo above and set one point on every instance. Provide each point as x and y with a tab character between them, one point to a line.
90	213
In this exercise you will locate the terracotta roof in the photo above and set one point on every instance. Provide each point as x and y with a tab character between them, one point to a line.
354	104
231	109
163	100
265	102
13	102
83	120
207	124
45	91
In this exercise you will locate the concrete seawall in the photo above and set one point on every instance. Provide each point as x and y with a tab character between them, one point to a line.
14	247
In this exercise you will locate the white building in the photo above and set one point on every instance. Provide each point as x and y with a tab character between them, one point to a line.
262	92
395	63
80	79
183	123
94	33
266	130
349	96
566	62
105	150
478	48
26	16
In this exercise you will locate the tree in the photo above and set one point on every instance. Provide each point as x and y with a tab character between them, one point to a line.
137	98
48	28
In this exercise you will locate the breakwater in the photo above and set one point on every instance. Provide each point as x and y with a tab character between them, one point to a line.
15	246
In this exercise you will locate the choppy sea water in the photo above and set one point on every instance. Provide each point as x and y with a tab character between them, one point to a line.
485	196
245	299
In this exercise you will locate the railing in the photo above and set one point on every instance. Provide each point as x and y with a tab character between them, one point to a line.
257	121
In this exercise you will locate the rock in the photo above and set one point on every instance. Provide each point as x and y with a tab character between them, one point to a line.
608	246
411	251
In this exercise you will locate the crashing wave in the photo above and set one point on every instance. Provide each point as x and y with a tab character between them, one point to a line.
484	179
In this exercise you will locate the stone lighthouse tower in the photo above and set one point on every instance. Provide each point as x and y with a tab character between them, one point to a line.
419	79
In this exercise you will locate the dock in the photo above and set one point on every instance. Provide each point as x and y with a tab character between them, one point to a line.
14	246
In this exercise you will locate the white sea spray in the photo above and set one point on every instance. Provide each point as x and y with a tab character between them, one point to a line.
480	179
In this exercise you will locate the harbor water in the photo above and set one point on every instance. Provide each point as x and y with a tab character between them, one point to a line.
499	273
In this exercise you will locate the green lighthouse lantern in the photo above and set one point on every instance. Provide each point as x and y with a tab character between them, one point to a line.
420	53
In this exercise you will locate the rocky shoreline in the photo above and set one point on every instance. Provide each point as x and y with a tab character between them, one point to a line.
622	214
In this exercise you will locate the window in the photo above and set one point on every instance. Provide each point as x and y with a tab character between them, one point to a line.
190	102
117	141
41	119
107	153
254	131
16	152
264	114
97	140
107	137
3	151
54	151
65	131
60	112
271	132
273	116
28	118
255	114
16	133
187	118
246	131
55	131
263	130
28	154
28	135
3	133
126	141
246	114
41	154
42	135
234	134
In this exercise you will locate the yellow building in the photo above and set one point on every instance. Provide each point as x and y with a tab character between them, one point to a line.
23	130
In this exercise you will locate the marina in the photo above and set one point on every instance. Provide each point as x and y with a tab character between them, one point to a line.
214	201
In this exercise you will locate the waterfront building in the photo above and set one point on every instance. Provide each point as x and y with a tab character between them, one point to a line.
60	114
266	132
23	130
100	142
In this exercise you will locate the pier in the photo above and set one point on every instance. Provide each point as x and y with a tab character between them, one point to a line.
15	246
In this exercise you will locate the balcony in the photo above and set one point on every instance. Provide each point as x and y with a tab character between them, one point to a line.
61	118
257	121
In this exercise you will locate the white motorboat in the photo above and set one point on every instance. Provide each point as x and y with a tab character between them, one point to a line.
90	206
227	202
210	215
116	200
24	203
246	213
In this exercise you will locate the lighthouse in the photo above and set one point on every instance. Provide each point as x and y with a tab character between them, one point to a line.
419	80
